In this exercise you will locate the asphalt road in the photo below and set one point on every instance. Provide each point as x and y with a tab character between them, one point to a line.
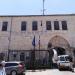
49	72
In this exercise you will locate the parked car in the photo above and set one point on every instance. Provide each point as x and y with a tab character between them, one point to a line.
14	68
64	62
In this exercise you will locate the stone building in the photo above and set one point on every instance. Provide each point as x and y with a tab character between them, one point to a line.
50	31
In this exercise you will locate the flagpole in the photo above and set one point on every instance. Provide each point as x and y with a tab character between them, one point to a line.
34	52
34	42
43	7
39	42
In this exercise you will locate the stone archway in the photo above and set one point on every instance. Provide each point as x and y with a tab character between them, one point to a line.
60	44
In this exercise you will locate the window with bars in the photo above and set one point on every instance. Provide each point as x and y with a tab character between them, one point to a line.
23	25
48	25
64	25
34	25
56	25
4	26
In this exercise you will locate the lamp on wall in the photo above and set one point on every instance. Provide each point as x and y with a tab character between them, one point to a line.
14	54
49	45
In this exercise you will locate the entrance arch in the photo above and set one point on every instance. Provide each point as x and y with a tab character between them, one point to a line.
59	43
61	46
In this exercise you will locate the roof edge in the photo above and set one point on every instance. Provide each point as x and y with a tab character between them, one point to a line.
36	15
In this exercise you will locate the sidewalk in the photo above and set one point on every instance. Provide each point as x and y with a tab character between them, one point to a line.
37	70
41	70
49	72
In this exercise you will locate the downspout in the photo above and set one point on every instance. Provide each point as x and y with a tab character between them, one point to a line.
9	38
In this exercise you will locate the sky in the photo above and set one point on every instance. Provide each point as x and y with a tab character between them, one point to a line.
34	7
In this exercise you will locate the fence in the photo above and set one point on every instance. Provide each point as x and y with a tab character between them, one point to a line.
33	59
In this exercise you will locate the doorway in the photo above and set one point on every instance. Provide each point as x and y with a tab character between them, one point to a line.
60	50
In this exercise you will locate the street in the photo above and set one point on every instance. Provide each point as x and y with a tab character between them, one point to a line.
50	72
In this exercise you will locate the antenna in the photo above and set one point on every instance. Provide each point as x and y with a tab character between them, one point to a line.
43	8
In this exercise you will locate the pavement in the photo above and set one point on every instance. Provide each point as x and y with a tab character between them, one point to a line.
49	72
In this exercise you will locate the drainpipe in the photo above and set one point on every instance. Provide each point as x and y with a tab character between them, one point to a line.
9	38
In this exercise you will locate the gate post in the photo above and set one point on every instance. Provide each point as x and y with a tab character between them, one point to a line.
50	58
